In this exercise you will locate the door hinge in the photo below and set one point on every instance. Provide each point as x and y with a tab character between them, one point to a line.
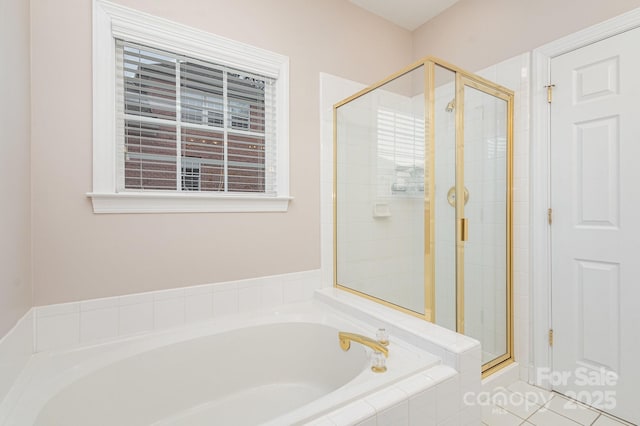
550	337
550	216
550	92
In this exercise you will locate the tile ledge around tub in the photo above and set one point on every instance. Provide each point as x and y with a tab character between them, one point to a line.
371	406
94	321
411	329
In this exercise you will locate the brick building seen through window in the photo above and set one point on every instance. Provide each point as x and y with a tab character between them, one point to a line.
174	113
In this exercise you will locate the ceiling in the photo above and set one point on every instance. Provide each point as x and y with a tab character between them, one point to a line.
409	14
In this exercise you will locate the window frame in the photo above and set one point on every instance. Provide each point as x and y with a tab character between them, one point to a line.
111	21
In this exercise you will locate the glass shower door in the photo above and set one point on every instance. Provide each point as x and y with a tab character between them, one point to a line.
486	270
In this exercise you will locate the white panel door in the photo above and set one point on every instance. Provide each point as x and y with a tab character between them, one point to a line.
595	197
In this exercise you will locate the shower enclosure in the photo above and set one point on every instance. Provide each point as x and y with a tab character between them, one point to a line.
422	189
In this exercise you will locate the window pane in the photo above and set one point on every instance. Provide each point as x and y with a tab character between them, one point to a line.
239	114
204	150
196	100
149	83
201	94
246	163
191	178
246	102
150	156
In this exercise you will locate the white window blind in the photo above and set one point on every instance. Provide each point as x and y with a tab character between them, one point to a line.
400	152
185	124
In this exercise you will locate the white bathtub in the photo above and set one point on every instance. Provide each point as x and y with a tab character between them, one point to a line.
280	367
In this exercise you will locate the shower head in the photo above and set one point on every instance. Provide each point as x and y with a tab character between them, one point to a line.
451	105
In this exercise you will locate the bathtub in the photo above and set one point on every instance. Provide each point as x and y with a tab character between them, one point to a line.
276	367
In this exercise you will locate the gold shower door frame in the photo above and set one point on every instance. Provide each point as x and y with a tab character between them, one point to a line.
462	79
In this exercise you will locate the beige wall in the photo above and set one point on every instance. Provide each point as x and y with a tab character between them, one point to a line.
474	34
15	210
80	255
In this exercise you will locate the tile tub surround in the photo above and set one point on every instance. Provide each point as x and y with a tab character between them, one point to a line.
91	321
430	396
458	352
425	399
75	324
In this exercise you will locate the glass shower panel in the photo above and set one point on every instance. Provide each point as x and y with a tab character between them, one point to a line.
445	213
485	251
380	189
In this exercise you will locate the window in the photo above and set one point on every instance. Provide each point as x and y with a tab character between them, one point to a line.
194	122
175	110
190	176
400	153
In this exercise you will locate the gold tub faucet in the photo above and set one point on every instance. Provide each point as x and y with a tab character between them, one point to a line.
347	338
378	348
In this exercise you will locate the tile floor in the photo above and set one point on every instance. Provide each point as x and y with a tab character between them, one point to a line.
523	404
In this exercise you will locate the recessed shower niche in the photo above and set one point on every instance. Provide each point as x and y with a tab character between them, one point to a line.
422	189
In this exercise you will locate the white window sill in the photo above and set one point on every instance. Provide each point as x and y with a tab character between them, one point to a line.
146	202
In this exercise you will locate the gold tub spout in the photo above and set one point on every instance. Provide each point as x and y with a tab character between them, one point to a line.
347	338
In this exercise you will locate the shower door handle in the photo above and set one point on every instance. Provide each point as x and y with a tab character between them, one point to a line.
427	228
464	229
